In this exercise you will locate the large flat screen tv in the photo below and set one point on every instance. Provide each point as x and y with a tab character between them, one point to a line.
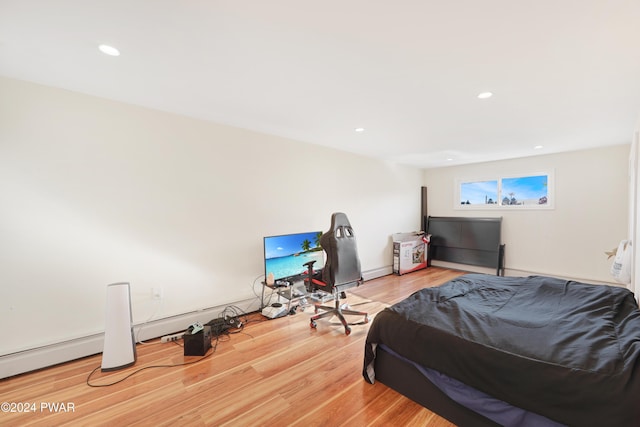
286	254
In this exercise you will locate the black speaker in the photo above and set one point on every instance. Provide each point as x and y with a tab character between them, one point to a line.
199	343
424	219
424	214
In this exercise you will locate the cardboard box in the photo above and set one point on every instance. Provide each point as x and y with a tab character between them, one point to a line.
409	252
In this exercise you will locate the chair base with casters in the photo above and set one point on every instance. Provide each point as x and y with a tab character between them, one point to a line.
313	283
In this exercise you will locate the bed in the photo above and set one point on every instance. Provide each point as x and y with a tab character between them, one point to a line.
467	240
484	350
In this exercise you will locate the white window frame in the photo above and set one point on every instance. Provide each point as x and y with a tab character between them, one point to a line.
498	205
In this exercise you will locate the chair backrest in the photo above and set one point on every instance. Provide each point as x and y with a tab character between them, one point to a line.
339	243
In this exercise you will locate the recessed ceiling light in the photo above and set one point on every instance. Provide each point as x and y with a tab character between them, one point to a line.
485	95
449	159
109	50
537	147
359	129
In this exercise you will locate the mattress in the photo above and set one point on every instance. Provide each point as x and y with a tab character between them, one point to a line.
562	349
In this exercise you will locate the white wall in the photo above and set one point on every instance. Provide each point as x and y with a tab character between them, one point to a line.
590	215
94	192
634	211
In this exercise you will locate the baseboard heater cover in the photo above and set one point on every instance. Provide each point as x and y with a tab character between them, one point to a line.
65	351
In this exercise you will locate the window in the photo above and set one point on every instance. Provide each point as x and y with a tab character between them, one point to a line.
479	193
532	191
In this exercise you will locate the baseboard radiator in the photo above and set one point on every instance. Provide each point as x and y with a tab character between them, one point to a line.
65	351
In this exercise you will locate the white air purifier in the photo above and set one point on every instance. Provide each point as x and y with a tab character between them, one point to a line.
119	344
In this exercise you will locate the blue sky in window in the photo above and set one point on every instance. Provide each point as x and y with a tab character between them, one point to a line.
523	188
478	192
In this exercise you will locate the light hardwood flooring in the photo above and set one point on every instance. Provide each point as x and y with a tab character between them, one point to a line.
275	372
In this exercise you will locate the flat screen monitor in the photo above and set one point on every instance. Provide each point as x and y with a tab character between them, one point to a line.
286	254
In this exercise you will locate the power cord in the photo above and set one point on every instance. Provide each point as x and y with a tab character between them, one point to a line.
157	309
230	321
231	316
253	286
211	352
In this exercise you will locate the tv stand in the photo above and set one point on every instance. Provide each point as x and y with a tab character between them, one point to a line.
287	294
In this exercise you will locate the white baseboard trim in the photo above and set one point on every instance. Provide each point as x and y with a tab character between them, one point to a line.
377	272
65	351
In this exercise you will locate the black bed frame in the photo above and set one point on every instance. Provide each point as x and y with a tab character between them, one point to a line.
467	240
405	378
462	240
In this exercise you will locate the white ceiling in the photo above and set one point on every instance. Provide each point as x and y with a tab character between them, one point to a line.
565	73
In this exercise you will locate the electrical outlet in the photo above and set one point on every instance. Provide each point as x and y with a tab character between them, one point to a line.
169	338
156	293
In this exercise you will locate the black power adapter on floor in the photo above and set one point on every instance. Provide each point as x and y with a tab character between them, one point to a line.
221	325
197	344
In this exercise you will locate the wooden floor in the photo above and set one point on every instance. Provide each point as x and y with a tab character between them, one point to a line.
275	372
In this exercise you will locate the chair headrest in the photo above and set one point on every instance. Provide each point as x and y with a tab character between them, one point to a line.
340	225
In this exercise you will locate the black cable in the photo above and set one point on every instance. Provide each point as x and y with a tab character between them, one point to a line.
213	350
253	284
231	320
231	311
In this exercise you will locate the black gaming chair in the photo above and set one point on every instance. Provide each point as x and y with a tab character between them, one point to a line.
341	270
